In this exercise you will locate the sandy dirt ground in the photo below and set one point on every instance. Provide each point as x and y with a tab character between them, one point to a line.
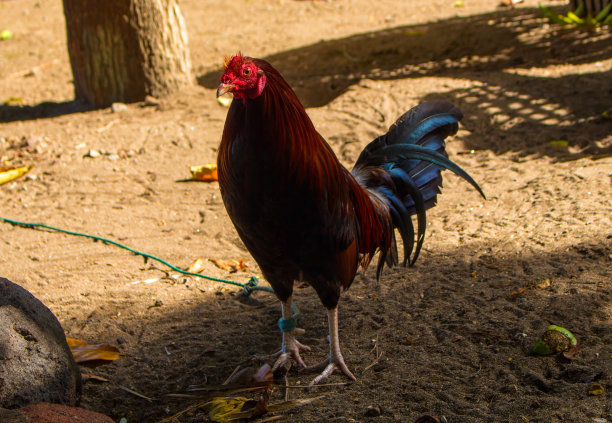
451	336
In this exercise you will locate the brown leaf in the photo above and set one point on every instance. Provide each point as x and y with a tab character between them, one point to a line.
197	266
242	266
572	353
514	294
83	352
231	266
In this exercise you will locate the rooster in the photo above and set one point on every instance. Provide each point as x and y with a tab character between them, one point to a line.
302	215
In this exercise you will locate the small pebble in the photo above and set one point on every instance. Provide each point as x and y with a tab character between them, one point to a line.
373	411
92	154
118	107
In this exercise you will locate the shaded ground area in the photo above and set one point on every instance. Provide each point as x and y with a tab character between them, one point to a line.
451	336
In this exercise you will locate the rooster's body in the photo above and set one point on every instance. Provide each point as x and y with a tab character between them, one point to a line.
300	213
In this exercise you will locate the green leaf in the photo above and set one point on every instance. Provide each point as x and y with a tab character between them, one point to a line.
580	9
541	348
604	12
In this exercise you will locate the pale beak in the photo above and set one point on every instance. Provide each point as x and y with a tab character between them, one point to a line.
224	88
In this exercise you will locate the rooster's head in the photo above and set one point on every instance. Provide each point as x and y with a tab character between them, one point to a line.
242	77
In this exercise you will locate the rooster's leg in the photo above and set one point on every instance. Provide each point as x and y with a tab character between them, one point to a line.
291	346
335	361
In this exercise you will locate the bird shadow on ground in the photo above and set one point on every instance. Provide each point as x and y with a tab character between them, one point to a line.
454	313
499	50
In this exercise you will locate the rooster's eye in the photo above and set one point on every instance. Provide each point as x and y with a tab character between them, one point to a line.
246	71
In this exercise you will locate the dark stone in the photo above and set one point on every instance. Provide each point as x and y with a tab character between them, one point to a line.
373	411
36	364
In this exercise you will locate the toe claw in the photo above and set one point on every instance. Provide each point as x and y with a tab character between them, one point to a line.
281	361
291	350
329	369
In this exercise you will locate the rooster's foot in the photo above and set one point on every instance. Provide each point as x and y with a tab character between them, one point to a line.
331	365
290	350
335	360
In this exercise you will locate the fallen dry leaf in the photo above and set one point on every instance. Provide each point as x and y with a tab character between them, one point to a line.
8	174
206	173
228	409
514	294
84	352
197	266
572	353
231	266
597	389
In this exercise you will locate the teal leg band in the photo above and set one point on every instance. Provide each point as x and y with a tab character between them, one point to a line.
287	324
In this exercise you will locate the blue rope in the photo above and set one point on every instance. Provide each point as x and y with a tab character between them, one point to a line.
247	288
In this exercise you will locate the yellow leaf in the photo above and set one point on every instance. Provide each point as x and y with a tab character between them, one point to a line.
197	266
596	389
226	409
206	173
10	174
559	143
12	100
83	352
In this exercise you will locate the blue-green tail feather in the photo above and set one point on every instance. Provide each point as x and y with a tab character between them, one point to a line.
412	154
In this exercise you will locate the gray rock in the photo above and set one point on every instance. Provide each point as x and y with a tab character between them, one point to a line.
36	364
118	107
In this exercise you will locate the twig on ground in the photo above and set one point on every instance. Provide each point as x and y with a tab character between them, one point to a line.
126	389
229	378
33	70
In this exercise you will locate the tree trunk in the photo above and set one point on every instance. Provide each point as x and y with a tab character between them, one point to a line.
123	50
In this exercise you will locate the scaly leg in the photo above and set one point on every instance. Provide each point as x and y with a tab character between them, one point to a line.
335	361
291	347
